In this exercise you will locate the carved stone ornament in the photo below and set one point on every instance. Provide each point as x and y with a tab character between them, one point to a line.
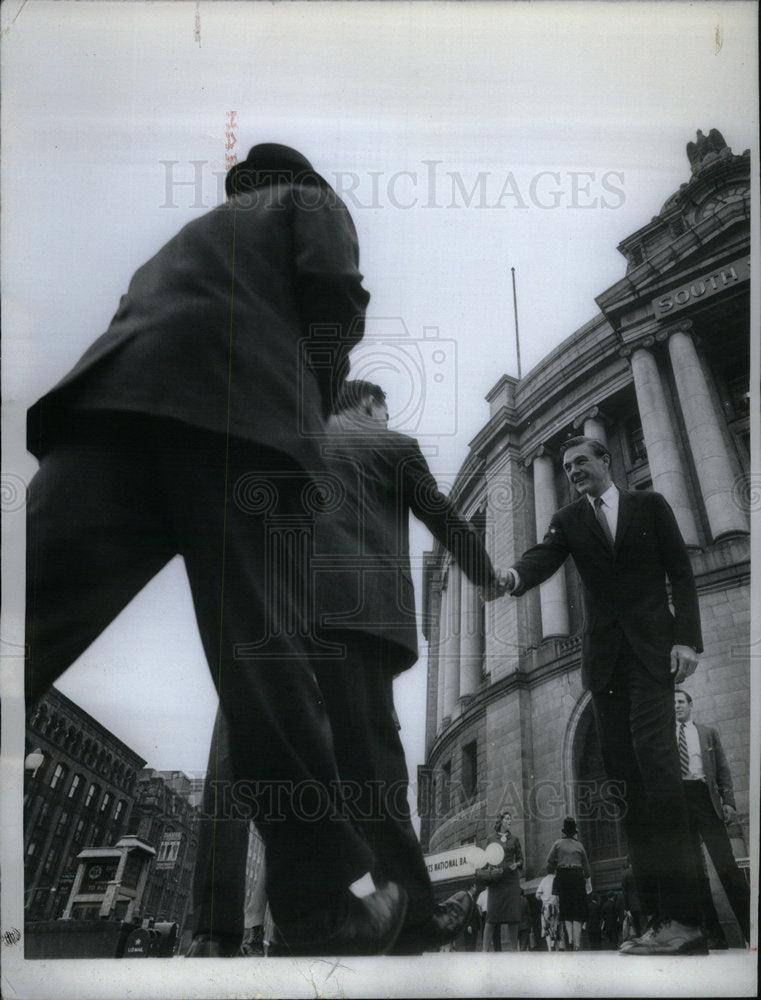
707	149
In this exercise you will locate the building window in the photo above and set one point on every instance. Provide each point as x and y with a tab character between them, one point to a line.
446	786
79	831
75	786
105	801
636	440
62	825
32	848
50	860
470	769
59	774
118	811
92	791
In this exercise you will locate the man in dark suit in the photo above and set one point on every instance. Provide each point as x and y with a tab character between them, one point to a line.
190	427
366	634
624	546
707	783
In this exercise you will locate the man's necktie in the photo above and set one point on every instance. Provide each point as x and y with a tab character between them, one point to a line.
602	520
684	754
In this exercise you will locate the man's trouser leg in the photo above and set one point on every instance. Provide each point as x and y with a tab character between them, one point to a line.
635	718
358	691
219	879
715	837
107	511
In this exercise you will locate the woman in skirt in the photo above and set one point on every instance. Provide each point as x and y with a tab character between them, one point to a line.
503	909
568	860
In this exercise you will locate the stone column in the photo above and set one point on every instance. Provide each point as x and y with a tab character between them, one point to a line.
663	454
452	643
443	629
471	638
593	424
707	444
552	593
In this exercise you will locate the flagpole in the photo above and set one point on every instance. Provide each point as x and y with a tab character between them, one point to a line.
517	338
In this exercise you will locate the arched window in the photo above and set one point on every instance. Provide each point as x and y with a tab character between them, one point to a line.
92	793
75	788
59	775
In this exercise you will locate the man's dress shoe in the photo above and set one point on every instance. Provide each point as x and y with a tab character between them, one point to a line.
367	926
667	937
448	920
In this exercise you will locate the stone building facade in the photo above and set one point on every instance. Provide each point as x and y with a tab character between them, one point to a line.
661	375
85	788
80	793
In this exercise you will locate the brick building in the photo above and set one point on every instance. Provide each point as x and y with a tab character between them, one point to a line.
81	794
84	788
661	374
166	817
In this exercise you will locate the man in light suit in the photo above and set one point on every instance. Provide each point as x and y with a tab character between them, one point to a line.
707	783
624	546
366	634
190	427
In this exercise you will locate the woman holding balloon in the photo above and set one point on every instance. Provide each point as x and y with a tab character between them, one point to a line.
502	875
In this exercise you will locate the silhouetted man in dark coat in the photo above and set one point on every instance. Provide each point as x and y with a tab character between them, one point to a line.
366	634
190	428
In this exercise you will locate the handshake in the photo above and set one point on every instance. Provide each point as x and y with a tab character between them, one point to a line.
504	583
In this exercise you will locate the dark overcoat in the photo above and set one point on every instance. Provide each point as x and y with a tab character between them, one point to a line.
504	902
376	477
235	325
716	767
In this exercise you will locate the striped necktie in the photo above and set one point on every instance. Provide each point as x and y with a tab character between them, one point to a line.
602	520
684	754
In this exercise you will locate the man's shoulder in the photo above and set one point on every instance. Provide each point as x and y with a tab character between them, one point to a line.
707	732
571	509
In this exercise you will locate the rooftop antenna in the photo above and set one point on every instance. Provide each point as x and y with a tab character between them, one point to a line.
517	337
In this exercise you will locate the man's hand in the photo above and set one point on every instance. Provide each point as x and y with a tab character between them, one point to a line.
729	813
503	583
684	662
492	591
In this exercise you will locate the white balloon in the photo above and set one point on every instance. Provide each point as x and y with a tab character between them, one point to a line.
476	856
495	854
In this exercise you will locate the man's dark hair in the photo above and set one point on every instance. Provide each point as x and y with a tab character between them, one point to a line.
598	448
687	695
354	393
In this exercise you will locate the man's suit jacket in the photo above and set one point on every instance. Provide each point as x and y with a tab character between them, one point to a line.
211	330
625	596
718	775
363	579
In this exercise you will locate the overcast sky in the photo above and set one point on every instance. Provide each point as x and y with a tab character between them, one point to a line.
467	139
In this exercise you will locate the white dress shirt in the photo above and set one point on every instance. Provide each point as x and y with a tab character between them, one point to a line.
610	508
693	749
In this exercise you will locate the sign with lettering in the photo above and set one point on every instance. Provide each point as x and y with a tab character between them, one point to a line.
457	863
98	875
702	287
